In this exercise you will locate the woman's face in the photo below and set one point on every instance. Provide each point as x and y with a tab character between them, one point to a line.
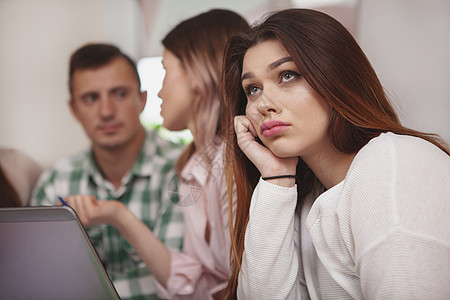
290	118
176	94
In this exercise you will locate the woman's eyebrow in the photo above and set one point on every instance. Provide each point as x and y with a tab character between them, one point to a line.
246	76
278	62
270	67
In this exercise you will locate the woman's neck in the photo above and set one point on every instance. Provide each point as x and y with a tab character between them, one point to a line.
330	166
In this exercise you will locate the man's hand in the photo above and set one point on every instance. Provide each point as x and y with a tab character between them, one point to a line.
91	211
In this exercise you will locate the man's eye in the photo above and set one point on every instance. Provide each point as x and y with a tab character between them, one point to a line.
121	94
89	99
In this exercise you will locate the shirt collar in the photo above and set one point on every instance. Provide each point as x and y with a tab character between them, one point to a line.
199	166
144	158
196	169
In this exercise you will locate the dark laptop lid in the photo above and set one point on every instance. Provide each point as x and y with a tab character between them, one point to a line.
46	254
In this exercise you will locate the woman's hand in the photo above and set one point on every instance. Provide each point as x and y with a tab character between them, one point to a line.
265	161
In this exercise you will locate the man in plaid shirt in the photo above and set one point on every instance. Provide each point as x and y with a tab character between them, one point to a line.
127	173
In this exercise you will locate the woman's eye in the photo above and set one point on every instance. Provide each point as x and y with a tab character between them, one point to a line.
288	76
251	90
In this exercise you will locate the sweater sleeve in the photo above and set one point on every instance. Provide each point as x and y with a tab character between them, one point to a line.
270	263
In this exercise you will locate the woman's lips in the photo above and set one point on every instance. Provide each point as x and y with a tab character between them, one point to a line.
271	128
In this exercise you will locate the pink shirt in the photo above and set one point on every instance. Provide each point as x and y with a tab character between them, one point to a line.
202	270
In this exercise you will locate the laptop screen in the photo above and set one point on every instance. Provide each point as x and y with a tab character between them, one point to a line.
46	254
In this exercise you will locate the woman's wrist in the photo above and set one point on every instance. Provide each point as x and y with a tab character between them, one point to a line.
287	180
282	173
279	177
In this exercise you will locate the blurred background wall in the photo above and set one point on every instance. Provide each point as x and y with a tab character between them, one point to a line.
407	41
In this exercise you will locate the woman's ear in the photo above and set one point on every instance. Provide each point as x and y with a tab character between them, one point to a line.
194	89
194	84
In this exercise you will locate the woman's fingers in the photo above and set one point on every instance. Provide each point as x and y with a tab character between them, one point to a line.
246	137
265	161
245	132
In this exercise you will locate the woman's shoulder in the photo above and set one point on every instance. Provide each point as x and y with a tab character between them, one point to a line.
401	140
21	170
391	146
9	154
391	156
19	161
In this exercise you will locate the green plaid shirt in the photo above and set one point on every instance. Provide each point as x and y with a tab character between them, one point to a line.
148	190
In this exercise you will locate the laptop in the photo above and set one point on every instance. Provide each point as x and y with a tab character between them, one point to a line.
46	254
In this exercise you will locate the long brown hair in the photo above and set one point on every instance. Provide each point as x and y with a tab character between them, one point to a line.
199	42
334	65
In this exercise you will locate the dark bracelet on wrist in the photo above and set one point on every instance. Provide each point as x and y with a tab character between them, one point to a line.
279	176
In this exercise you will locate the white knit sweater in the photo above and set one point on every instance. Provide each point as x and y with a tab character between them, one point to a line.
382	233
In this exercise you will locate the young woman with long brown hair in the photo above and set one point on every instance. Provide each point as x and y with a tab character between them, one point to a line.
335	198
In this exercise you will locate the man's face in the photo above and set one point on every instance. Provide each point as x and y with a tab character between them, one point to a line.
107	103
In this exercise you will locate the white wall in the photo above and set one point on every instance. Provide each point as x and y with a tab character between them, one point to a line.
408	43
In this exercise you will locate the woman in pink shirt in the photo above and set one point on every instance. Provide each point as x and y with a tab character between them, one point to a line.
193	53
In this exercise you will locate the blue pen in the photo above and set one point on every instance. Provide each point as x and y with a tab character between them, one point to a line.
62	201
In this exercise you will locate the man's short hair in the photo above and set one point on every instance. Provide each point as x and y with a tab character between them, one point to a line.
93	56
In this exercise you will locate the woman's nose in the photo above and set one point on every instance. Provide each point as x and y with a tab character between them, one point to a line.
266	104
